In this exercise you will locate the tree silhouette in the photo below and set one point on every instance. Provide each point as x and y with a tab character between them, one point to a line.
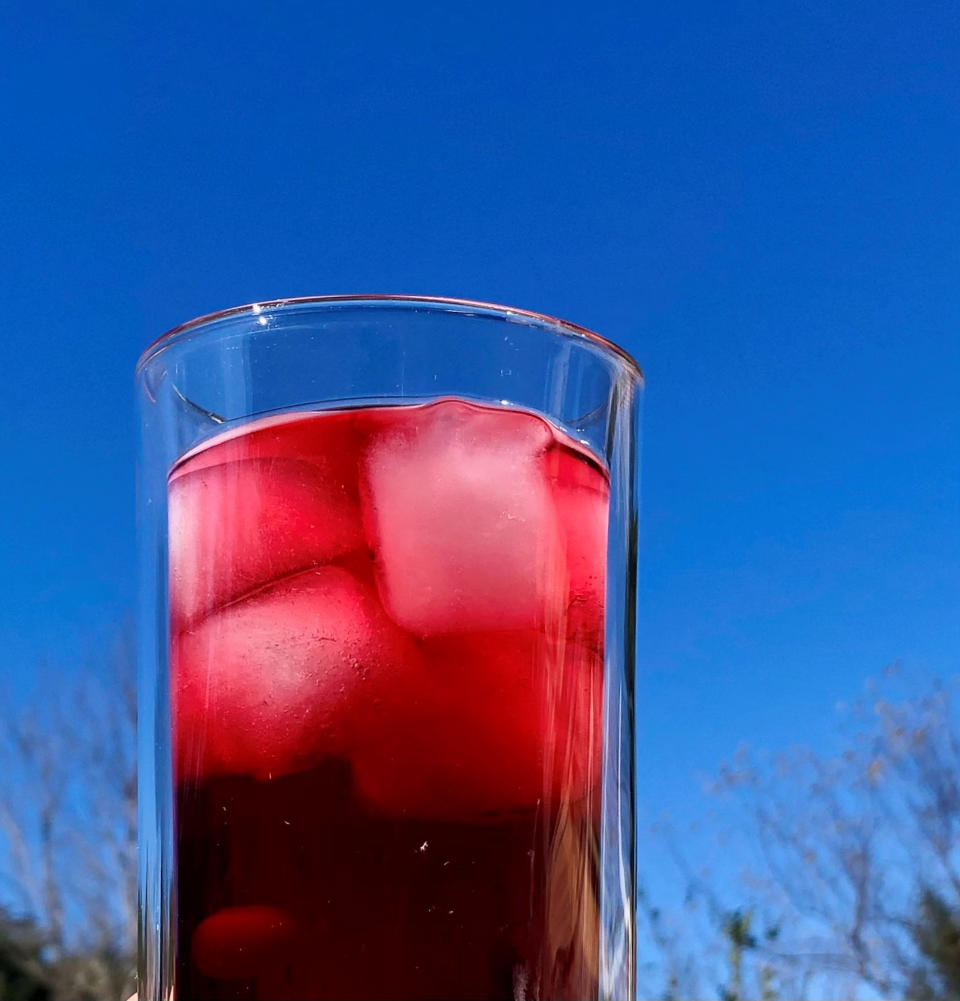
847	879
840	874
23	973
936	933
68	834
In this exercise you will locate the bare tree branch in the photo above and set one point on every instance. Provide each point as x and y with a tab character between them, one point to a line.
68	830
834	855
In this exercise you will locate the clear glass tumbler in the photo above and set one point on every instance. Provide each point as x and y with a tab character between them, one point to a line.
388	555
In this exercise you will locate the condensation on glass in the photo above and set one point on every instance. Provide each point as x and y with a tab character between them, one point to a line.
388	563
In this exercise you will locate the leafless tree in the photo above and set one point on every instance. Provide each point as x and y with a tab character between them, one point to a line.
68	824
839	875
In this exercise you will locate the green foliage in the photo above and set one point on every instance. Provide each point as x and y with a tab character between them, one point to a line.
937	938
32	968
23	973
737	930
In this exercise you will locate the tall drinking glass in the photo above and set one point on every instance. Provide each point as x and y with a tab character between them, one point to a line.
388	552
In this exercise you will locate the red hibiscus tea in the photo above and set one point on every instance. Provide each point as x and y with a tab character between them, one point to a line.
386	686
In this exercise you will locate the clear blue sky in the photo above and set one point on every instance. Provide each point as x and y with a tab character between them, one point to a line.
760	200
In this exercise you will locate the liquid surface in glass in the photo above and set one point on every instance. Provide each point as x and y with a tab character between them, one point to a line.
386	688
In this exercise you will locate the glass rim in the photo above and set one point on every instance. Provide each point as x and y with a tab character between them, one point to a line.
191	328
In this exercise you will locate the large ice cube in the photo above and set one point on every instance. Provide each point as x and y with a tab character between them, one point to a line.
497	723
272	684
237	943
238	525
459	512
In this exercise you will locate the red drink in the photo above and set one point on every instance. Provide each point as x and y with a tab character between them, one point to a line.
386	678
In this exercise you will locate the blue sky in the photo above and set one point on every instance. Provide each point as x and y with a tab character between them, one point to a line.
759	200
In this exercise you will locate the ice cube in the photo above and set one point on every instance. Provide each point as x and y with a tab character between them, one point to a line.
238	525
497	723
237	943
460	514
272	684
